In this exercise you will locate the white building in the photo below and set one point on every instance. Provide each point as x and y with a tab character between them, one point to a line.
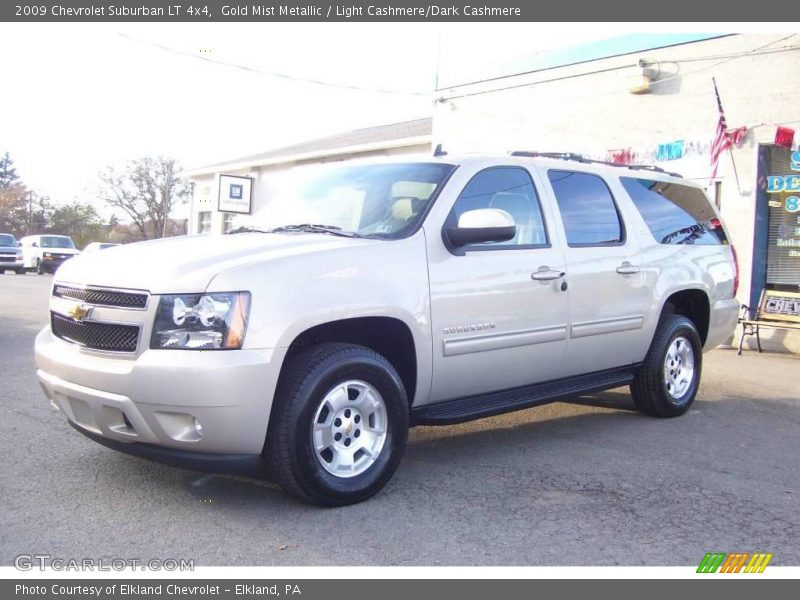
239	191
656	105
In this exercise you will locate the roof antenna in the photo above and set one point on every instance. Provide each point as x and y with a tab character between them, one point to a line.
438	151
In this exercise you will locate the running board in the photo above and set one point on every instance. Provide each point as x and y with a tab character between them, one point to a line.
495	403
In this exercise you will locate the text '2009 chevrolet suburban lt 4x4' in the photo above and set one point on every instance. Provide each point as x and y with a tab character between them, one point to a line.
392	295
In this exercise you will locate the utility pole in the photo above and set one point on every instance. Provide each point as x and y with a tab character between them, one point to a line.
30	211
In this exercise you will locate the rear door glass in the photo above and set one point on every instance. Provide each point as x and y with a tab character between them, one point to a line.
587	209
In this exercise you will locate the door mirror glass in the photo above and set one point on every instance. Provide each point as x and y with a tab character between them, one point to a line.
34	244
482	225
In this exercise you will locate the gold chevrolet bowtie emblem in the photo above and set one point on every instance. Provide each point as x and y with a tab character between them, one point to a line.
78	312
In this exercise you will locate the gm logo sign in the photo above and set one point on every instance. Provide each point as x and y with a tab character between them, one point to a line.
738	562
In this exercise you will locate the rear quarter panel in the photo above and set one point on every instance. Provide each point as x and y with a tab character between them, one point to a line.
671	268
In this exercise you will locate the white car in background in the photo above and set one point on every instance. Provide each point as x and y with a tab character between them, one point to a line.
45	253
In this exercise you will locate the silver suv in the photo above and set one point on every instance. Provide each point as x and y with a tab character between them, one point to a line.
387	295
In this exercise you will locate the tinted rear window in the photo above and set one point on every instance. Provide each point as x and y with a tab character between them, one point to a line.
675	213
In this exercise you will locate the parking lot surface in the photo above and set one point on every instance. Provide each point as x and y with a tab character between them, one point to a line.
590	482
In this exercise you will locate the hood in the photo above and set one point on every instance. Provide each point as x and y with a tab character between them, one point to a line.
10	249
187	264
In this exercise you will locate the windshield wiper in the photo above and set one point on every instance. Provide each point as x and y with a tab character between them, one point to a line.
244	229
313	228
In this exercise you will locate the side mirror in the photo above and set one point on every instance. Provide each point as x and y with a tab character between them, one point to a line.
482	225
34	244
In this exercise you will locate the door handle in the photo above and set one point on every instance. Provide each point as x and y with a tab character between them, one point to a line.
627	268
547	274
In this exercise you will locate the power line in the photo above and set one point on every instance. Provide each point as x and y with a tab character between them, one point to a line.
276	75
760	50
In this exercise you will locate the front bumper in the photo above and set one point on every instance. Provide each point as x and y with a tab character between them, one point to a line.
12	264
51	264
155	398
250	465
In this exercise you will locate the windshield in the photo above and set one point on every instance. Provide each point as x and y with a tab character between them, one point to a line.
56	241
7	240
386	200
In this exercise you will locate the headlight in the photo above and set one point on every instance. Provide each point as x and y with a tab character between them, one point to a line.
47	255
214	321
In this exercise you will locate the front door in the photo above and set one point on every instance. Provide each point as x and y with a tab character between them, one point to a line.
499	315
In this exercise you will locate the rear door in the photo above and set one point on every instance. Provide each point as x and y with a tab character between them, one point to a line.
494	325
608	295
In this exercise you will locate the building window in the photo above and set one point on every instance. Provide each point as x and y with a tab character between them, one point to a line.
783	240
227	222
204	222
587	209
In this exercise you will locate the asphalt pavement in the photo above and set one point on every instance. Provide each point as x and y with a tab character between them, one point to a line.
590	482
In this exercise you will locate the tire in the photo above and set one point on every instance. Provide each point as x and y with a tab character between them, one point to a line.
39	267
311	408
19	271
665	386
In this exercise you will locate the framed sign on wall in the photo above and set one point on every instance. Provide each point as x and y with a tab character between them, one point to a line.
235	194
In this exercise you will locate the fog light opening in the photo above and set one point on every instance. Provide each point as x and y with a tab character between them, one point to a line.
197	427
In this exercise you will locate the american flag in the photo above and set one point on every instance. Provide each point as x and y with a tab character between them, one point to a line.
723	139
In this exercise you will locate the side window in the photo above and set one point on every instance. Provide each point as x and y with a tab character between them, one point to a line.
509	189
675	214
587	209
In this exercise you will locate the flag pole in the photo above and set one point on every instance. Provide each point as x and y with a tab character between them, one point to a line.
730	146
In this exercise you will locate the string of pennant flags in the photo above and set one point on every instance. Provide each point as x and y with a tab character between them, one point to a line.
678	149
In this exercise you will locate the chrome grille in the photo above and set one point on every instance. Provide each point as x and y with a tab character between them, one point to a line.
110	337
102	297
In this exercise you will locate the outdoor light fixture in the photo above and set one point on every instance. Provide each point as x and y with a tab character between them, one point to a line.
650	70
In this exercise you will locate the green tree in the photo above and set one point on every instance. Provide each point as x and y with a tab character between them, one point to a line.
14	215
79	220
8	173
147	191
14	210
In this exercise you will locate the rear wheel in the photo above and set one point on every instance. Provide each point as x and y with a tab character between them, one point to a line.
339	425
667	381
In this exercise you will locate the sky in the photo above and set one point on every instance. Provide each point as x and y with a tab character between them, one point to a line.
78	97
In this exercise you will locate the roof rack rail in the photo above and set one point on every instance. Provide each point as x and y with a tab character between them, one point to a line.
579	158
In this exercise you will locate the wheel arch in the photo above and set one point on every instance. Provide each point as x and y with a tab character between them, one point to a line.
693	303
390	337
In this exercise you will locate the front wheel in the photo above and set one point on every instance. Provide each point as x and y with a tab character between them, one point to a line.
667	381
339	424
39	267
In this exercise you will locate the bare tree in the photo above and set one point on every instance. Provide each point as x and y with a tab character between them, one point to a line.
147	191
